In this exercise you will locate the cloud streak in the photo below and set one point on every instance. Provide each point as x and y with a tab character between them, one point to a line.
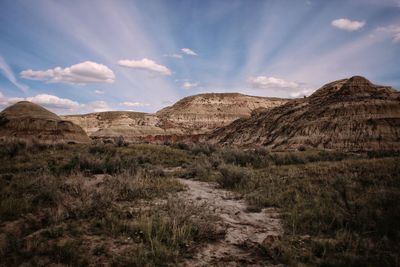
188	51
145	64
348	25
392	30
9	74
133	104
189	85
263	82
178	56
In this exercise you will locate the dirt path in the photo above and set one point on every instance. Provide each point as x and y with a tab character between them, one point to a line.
245	231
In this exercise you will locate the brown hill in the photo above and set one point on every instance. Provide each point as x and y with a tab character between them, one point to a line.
202	113
111	124
192	115
350	114
27	121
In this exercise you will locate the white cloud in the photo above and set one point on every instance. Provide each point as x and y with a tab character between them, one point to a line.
52	101
82	73
99	92
48	101
9	74
392	30
167	102
174	56
348	25
302	93
145	64
262	82
13	100
189	85
3	100
188	51
97	106
57	104
134	104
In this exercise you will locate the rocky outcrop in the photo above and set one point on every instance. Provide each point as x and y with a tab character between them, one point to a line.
202	113
350	114
192	115
27	121
111	124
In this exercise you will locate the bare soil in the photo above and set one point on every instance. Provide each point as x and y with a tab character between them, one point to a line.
245	232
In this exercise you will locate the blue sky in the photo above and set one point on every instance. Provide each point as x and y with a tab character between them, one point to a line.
80	56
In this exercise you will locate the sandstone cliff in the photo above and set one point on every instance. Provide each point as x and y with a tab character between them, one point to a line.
27	121
350	114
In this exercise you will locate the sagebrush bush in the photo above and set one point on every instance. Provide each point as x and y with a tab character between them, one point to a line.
231	176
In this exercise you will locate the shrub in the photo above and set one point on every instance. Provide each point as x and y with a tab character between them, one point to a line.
231	176
102	149
256	158
120	141
12	148
200	169
205	149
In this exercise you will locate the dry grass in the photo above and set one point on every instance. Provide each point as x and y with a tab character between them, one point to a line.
104	204
338	209
342	212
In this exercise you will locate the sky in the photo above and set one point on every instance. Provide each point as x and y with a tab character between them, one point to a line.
80	56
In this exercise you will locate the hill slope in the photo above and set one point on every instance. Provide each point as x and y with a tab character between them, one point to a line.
205	112
111	124
350	114
196	114
27	121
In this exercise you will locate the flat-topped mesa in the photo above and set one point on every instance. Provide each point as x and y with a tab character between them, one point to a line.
349	114
28	121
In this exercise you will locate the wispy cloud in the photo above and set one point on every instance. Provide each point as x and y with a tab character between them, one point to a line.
392	30
263	82
9	74
178	56
302	93
189	51
145	64
348	25
82	73
133	104
96	106
189	85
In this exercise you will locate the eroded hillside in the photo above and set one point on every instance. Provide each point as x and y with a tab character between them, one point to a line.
192	115
28	121
350	114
